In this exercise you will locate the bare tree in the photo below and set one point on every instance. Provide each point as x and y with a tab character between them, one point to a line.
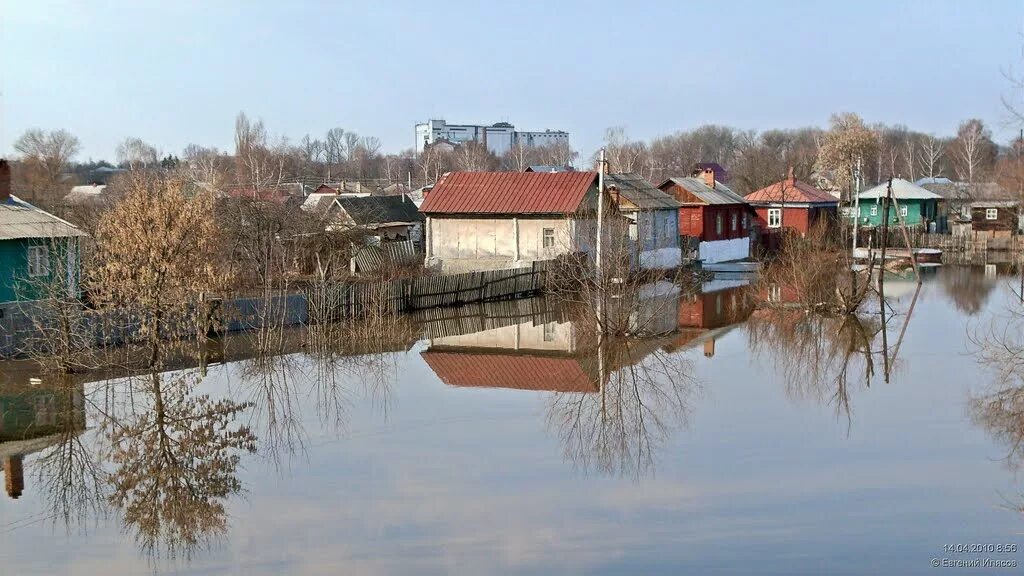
45	156
973	150
474	157
848	140
134	153
932	152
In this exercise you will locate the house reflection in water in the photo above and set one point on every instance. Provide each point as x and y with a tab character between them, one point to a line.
34	415
533	351
706	317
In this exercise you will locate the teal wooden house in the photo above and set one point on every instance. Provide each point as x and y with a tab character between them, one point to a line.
914	206
36	247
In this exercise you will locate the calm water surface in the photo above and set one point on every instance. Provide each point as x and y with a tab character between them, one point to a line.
729	443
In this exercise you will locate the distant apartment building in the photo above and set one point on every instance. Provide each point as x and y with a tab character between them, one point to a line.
499	137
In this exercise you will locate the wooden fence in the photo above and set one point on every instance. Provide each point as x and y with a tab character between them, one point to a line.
407	294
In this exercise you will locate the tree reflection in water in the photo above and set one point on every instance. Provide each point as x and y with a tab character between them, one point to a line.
70	474
817	354
175	464
640	395
998	408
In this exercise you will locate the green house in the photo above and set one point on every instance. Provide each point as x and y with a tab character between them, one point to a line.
913	206
37	249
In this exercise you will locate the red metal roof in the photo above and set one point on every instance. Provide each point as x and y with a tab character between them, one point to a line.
794	191
508	193
542	373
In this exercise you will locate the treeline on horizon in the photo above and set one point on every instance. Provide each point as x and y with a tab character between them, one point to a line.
47	163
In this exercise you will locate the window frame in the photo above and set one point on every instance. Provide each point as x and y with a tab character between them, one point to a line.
735	222
874	210
774	217
904	211
991	213
719	224
545	235
38	257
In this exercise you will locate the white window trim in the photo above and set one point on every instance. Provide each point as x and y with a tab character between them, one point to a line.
874	210
544	237
775	217
903	211
38	261
991	213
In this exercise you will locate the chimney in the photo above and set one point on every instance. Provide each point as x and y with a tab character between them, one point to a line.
790	178
709	177
709	348
5	181
14	474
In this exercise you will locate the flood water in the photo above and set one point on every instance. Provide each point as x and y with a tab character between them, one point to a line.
507	440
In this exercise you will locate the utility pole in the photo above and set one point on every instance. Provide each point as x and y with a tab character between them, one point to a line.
600	215
856	202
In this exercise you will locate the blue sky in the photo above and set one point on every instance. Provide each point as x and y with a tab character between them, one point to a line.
178	72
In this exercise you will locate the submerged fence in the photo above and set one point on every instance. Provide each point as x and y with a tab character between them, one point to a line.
407	294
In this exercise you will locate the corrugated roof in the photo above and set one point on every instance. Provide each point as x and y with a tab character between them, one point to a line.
509	193
519	372
901	190
379	209
640	192
720	194
19	219
795	191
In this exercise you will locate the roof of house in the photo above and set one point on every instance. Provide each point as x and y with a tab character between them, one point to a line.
901	190
791	190
640	192
85	193
19	219
509	193
370	210
923	182
548	168
505	370
718	169
274	193
720	194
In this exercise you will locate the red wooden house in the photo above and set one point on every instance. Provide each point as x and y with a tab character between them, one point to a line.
791	204
712	216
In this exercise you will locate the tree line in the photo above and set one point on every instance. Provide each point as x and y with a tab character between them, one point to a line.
47	165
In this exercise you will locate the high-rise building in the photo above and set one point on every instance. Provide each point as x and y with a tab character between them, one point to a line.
499	138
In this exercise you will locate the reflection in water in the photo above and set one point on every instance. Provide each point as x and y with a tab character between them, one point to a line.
175	463
968	287
613	400
999	407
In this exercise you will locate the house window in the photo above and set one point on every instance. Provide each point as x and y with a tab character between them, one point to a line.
38	260
735	222
718	224
903	211
774	217
549	331
743	221
874	210
774	293
549	238
991	213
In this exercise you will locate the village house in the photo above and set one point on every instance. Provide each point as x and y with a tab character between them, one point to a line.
34	245
386	218
978	209
712	217
917	206
653	220
492	220
791	204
